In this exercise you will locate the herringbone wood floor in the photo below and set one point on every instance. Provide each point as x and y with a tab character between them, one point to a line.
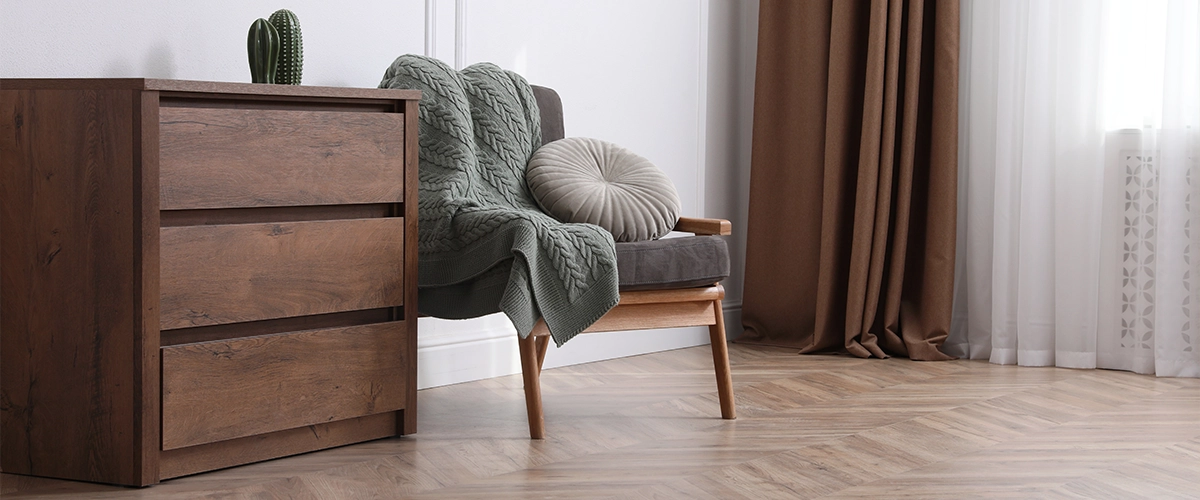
809	426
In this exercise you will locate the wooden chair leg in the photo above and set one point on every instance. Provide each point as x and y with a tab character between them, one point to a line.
531	371
543	342
720	352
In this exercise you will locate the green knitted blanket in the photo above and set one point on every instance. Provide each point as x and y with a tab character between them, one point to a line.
484	244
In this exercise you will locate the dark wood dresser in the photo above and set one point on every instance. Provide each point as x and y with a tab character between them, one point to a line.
198	275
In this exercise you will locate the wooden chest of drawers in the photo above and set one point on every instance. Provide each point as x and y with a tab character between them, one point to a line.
198	275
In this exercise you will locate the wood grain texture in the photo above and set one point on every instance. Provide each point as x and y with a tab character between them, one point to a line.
221	89
272	326
645	309
275	91
639	310
642	427
246	272
701	226
82	261
215	391
147	436
222	158
543	346
73	366
408	422
530	373
203	458
651	316
702	294
720	352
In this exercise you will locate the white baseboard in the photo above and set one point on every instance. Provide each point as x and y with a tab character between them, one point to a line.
485	349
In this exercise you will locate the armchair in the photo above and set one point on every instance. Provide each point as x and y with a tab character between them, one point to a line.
664	283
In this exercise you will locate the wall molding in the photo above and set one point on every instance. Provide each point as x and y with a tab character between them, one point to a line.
460	33
702	108
430	27
444	23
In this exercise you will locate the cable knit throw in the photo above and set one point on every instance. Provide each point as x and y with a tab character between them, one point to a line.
484	244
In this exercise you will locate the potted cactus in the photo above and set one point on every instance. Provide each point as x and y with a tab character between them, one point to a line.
263	46
291	47
276	49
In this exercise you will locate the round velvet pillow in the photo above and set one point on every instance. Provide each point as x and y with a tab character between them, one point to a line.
588	180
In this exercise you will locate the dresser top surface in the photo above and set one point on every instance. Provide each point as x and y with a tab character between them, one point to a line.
194	86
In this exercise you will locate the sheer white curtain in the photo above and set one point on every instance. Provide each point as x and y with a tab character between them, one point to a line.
1079	188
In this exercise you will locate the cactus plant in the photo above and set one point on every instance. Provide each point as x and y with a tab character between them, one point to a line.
262	44
291	52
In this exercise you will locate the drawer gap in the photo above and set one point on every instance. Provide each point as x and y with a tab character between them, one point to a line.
181	100
255	215
283	325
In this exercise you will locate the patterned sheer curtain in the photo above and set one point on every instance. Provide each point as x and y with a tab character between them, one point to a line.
1079	185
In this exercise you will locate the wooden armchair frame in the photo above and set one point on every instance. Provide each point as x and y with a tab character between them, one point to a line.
641	310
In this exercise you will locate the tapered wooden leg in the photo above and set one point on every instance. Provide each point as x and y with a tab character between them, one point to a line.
720	352
531	372
543	340
542	344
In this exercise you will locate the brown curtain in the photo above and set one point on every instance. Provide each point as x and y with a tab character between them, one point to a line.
850	242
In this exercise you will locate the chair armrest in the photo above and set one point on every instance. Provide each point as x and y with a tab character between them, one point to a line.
700	226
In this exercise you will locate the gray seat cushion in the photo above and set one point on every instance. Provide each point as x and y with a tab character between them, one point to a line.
672	263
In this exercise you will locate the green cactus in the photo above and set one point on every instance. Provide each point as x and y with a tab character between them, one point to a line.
291	53
263	48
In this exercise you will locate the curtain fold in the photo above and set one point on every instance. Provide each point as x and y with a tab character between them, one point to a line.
1077	213
851	237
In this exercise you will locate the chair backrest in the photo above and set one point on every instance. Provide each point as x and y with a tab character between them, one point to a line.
550	106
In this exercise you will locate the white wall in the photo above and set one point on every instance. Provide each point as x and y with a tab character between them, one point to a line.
669	79
345	44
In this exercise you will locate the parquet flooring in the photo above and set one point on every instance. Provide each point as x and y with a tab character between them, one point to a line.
647	427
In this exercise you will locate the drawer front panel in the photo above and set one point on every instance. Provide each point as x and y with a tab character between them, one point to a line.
212	275
214	391
228	158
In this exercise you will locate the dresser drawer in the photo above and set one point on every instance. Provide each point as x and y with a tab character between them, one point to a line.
228	158
218	274
214	391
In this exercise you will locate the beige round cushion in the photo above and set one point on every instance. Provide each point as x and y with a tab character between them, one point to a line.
579	179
